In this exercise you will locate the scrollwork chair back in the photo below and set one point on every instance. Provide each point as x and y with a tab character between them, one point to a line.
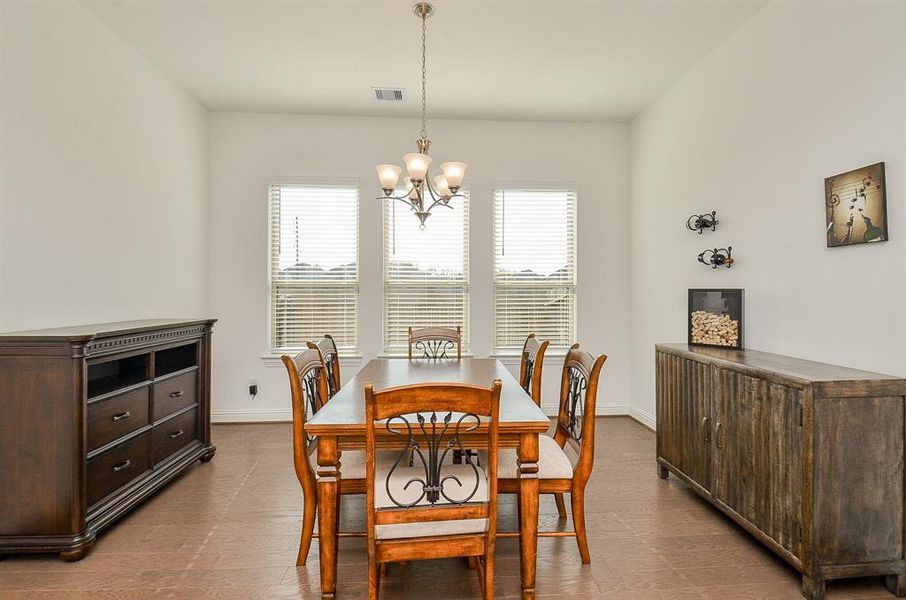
435	342
531	366
576	418
330	361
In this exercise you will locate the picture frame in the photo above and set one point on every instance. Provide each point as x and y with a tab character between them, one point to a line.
856	207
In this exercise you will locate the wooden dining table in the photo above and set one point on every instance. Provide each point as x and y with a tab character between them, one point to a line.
340	425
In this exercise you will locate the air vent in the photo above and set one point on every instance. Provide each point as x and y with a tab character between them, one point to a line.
388	94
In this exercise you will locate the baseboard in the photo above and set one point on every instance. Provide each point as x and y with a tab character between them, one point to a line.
251	416
282	415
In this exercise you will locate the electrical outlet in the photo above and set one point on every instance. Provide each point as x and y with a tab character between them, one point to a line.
253	388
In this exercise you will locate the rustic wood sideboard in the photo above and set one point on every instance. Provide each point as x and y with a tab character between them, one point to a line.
807	457
94	419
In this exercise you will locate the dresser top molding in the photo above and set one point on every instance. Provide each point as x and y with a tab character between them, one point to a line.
805	371
84	333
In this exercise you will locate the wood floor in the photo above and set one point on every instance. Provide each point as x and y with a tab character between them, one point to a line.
649	539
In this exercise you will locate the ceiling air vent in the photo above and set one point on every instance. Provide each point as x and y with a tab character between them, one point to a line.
388	94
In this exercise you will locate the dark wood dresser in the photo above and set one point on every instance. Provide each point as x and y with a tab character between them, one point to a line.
807	457
93	419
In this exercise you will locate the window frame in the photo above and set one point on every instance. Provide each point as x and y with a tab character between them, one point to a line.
397	352
271	351
511	353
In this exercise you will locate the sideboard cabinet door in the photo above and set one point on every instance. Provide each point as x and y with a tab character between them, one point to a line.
684	416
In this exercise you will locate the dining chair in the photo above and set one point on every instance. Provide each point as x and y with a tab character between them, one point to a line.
433	509
308	387
434	342
565	460
531	366
330	361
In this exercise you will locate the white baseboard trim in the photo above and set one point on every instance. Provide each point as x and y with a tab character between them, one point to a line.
282	415
251	416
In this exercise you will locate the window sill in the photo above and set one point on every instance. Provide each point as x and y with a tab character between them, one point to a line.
273	360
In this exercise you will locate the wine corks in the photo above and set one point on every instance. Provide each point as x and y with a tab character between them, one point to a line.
713	329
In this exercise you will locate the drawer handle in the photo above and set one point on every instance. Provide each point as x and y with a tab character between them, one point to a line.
706	421
176	394
720	441
122	416
122	465
176	434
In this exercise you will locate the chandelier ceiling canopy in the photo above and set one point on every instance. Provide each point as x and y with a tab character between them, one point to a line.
422	192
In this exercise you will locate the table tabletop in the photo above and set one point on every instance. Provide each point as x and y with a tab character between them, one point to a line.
345	412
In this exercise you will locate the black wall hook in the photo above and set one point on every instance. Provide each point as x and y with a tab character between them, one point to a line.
703	221
717	257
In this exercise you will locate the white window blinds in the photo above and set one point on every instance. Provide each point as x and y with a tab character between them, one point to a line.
426	272
314	272
534	268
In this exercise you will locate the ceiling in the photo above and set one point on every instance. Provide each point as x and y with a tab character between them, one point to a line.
536	60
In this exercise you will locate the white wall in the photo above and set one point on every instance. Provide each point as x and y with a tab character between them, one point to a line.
250	150
800	92
103	176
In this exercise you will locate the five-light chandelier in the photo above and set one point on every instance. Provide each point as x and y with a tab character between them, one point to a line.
422	194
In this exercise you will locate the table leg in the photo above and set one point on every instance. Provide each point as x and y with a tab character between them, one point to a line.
528	511
328	512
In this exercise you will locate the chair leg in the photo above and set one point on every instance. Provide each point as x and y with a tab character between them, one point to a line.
488	576
577	499
374	579
561	505
309	511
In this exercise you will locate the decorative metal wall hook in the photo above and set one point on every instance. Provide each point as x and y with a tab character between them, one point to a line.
717	257
703	221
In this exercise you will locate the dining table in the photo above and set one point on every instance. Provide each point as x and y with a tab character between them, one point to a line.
340	425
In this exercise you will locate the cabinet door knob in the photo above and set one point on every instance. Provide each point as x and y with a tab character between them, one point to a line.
176	434
123	465
176	394
122	416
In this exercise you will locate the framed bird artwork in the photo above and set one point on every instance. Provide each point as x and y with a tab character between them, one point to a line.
856	207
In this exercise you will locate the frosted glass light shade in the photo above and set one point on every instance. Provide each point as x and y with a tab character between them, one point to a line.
417	165
389	175
455	172
441	186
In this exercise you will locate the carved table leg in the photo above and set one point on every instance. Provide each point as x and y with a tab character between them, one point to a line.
896	585
328	513
662	471
528	511
812	588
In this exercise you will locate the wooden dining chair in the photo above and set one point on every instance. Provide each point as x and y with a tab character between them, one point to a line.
531	366
434	342
308	387
330	361
558	473
434	508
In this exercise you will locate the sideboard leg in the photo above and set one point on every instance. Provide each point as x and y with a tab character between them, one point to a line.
207	456
77	554
812	588
662	471
896	585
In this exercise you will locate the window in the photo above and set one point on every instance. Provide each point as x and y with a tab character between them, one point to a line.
314	271
426	272
534	268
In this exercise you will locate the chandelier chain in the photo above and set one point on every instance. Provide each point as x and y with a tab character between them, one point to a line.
424	132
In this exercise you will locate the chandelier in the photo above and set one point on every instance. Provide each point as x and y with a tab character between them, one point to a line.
422	193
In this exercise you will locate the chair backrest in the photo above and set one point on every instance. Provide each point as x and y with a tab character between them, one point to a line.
531	366
430	421
330	360
434	342
576	418
308	386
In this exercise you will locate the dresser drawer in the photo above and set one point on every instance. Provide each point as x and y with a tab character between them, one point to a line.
173	434
173	394
118	466
117	416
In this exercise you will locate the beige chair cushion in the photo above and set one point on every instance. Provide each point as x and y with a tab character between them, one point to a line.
398	481
553	461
